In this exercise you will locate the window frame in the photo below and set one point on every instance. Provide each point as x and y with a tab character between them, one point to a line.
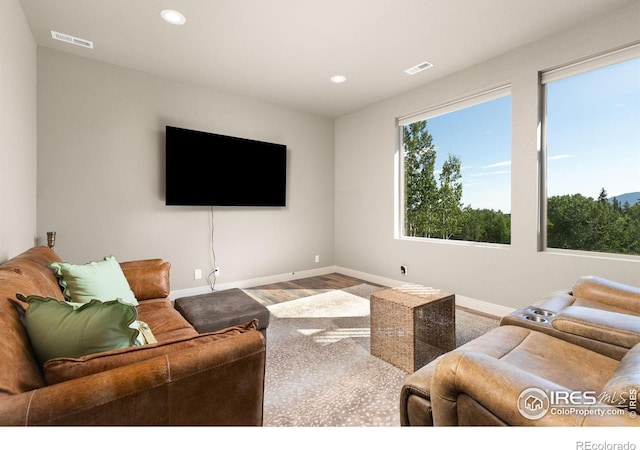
474	99
545	77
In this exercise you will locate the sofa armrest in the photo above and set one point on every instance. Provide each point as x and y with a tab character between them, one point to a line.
496	386
415	397
608	292
614	328
147	278
220	383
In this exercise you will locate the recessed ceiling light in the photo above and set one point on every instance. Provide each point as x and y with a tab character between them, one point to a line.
338	79
419	68
173	17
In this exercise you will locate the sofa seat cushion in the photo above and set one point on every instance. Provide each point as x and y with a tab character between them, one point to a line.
558	361
164	321
62	369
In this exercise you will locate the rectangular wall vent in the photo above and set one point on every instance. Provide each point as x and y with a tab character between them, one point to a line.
71	39
419	68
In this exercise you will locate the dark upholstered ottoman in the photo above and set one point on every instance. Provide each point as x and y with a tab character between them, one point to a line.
222	309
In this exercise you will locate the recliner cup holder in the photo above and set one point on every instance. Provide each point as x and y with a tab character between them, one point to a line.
543	312
537	315
535	318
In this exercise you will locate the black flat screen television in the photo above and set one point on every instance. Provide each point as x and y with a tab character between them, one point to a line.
207	169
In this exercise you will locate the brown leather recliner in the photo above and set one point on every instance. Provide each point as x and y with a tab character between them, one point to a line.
481	383
597	313
539	375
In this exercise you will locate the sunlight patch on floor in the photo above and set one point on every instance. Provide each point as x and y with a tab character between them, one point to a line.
326	337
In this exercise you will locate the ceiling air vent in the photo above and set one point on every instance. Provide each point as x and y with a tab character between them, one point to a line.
71	39
419	68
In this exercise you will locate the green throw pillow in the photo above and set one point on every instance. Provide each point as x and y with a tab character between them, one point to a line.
99	280
57	328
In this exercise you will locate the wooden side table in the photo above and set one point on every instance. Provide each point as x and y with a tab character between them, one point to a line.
412	325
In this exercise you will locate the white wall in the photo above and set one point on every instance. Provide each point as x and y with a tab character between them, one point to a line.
511	276
101	174
17	132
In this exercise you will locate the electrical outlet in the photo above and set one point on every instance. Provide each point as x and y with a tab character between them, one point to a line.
197	274
317	258
216	271
403	270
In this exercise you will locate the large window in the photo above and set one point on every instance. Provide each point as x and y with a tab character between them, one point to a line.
592	146
457	170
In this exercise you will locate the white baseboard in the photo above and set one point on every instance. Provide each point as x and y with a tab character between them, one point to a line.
461	300
482	306
251	282
369	277
465	302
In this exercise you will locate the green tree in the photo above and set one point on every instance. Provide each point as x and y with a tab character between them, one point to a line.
420	183
449	204
577	222
435	209
571	222
485	225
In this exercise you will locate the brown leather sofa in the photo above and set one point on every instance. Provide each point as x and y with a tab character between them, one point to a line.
185	378
579	368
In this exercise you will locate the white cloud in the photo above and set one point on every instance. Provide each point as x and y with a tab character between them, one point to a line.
486	174
498	164
560	157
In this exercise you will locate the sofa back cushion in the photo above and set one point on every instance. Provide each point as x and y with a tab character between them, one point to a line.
147	278
597	289
28	274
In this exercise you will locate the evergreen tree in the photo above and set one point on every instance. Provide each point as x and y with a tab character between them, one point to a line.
602	198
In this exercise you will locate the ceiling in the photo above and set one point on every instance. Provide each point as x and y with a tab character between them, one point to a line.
285	51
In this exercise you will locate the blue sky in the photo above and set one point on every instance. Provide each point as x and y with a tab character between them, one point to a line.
593	139
481	137
593	132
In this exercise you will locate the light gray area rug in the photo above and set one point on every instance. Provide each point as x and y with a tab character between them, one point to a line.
319	371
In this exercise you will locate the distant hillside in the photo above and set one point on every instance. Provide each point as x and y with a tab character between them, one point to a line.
631	197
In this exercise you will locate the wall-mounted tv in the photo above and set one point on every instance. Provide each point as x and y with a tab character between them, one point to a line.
207	169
